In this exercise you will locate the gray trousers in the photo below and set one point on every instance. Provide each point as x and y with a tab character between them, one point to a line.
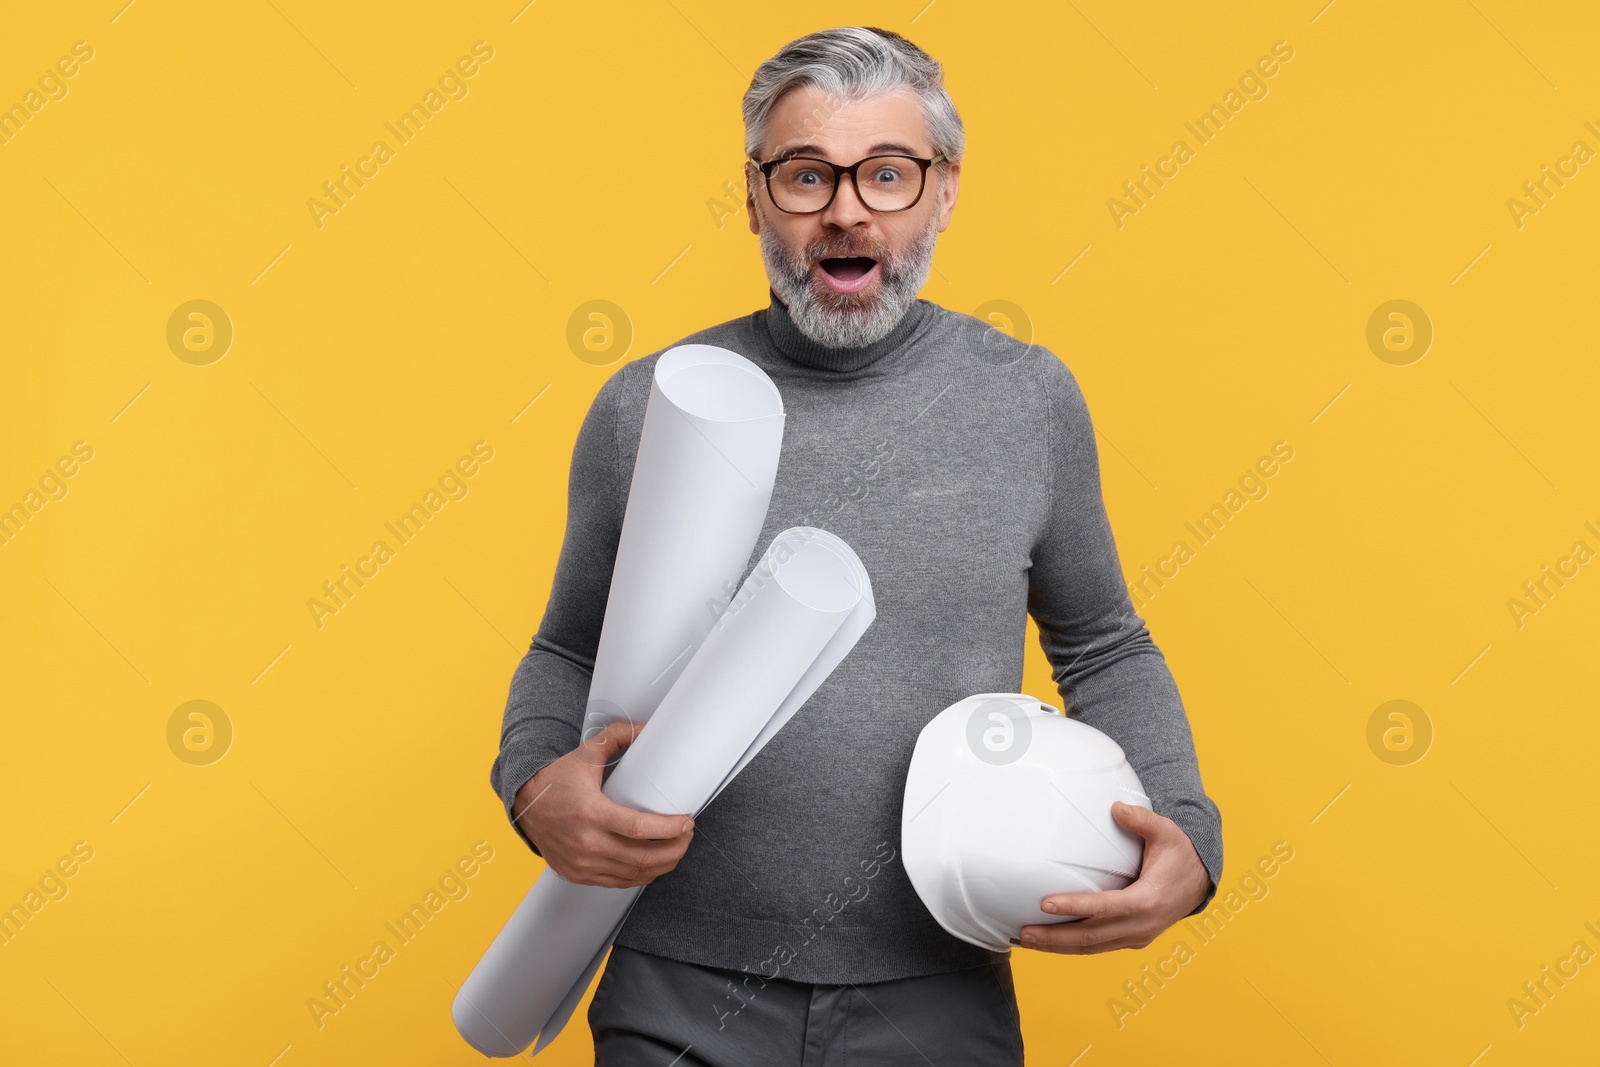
650	1011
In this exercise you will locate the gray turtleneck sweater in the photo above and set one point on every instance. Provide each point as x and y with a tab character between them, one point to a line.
961	466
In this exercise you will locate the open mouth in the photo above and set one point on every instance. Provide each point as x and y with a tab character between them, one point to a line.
847	274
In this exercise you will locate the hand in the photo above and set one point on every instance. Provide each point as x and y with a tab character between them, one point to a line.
585	836
1172	882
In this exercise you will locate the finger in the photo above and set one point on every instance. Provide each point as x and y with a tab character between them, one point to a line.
1107	904
607	881
621	878
1079	934
640	825
590	869
1111	945
636	870
643	861
629	853
599	749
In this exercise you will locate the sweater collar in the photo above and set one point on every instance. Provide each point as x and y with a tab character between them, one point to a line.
788	339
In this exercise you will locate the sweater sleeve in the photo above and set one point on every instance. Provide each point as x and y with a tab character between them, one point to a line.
1107	668
550	687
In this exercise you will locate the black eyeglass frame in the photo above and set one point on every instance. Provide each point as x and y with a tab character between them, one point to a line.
839	172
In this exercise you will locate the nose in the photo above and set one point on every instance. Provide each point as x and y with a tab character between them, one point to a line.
847	210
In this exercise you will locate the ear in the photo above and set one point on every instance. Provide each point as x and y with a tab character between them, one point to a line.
751	176
947	202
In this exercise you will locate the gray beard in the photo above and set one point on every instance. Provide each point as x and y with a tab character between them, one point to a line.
848	320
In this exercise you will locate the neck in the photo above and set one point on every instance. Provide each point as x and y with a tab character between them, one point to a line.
788	339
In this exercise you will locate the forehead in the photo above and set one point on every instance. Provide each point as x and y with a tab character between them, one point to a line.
843	131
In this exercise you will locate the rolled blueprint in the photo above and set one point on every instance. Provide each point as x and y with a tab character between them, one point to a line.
803	607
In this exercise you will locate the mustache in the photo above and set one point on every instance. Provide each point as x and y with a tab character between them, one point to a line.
878	252
800	262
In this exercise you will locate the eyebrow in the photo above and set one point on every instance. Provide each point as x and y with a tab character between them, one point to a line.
878	149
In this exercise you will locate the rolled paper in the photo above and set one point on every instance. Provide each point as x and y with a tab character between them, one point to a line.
794	619
707	459
844	639
784	546
702	479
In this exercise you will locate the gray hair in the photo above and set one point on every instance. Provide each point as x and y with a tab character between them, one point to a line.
850	63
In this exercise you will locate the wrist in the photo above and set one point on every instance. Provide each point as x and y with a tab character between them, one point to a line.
522	807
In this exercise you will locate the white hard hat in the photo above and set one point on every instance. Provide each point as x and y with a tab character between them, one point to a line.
1008	801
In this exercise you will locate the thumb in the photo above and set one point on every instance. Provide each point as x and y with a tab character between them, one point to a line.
1132	817
606	747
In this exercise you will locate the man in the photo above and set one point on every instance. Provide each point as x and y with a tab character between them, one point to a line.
960	464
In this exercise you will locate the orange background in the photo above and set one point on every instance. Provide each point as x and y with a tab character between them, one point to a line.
584	162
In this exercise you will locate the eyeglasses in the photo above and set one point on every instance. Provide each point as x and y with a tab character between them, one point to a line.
803	185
